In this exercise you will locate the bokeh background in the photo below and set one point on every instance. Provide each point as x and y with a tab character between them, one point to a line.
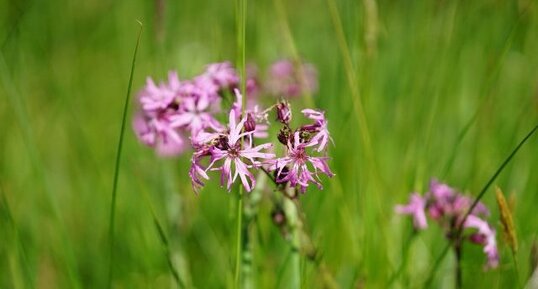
447	89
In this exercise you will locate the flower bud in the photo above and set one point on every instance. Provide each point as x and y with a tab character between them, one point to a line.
250	123
283	112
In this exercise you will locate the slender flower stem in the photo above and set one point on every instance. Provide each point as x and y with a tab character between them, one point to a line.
239	240
292	217
241	6
458	251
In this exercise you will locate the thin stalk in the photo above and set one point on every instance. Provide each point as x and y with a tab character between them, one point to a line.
118	159
292	217
241	11
458	252
239	239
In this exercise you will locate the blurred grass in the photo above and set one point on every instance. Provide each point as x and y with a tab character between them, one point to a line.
436	63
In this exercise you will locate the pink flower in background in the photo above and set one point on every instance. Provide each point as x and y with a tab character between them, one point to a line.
154	97
238	154
222	75
195	114
448	208
415	208
285	79
294	167
159	134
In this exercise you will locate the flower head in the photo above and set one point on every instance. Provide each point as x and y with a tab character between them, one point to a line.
238	155
296	167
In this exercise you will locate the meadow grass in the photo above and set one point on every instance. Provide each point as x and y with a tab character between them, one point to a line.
412	90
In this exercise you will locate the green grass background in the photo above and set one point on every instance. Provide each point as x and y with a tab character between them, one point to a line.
423	70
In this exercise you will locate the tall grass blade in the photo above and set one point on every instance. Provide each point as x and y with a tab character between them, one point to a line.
118	159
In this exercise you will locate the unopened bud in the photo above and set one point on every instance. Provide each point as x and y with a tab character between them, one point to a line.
283	112
250	123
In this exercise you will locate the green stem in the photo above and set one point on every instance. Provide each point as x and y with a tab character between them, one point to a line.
458	251
117	164
292	217
241	13
239	240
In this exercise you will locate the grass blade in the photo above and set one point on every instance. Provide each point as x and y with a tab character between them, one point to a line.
118	159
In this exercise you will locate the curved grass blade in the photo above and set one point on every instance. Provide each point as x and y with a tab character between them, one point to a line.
118	159
165	243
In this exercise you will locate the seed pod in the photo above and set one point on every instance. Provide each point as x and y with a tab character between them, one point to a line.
507	222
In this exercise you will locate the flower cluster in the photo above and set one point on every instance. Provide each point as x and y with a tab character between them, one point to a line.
448	208
173	110
176	111
301	145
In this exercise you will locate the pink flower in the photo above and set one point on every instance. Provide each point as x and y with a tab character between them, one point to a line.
194	113
293	168
197	171
154	97
223	75
289	80
319	128
238	155
415	208
157	133
484	236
